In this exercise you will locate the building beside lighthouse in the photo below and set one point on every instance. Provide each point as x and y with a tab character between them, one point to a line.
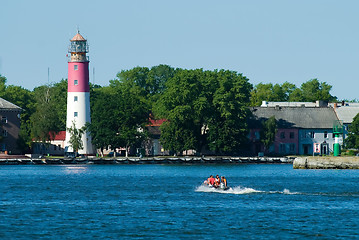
78	92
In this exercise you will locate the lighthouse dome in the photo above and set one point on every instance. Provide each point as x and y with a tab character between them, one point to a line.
78	37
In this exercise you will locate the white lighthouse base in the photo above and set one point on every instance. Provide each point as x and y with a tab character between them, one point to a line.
78	111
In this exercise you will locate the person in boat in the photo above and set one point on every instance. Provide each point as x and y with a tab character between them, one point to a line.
217	182
224	181
210	181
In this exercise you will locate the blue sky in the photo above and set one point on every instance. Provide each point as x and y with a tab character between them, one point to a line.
268	41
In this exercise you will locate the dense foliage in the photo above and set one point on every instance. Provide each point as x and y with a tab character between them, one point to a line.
24	99
203	109
309	91
352	141
119	114
268	132
50	111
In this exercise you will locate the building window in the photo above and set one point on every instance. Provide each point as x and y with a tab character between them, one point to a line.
292	147
325	134
291	135
4	133
76	67
282	148
257	135
3	147
76	82
75	114
54	147
4	119
75	98
311	134
282	135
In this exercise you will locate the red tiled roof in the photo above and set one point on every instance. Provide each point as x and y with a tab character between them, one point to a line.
156	122
60	136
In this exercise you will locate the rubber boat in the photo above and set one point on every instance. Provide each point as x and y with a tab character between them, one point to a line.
220	187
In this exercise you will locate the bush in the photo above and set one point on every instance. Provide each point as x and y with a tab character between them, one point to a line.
349	152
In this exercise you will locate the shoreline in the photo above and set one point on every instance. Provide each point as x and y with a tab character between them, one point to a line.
146	160
331	162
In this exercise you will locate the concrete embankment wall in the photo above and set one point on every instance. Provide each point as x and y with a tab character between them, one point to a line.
326	162
147	160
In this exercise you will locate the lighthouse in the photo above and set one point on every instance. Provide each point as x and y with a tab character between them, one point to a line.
78	92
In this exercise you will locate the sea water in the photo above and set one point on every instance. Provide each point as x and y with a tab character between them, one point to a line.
169	202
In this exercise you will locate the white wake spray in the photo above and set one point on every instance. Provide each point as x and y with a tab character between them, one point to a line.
241	190
235	190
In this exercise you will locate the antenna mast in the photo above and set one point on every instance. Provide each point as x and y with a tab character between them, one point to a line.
93	75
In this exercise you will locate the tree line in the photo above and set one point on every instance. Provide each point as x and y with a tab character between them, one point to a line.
203	109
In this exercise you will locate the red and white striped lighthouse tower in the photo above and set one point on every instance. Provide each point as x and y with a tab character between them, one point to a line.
78	92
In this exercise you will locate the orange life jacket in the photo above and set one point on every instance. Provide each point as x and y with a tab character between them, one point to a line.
224	181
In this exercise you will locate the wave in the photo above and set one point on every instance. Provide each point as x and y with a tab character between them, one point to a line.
241	190
234	190
286	191
247	190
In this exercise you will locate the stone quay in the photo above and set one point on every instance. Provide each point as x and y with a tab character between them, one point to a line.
327	162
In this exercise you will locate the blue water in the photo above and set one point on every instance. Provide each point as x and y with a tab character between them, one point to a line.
168	202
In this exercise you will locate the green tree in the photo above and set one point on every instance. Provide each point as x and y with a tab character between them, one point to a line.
312	91
270	92
296	96
261	92
104	110
76	137
137	76
2	85
183	104
152	82
157	78
45	120
24	99
268	132
133	114
227	128
59	96
204	108
119	115
288	88
352	141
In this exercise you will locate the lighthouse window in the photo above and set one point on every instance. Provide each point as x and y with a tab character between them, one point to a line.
76	82
75	67
75	98
75	114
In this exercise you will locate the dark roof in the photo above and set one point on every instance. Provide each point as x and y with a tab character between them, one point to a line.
6	105
347	113
295	117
